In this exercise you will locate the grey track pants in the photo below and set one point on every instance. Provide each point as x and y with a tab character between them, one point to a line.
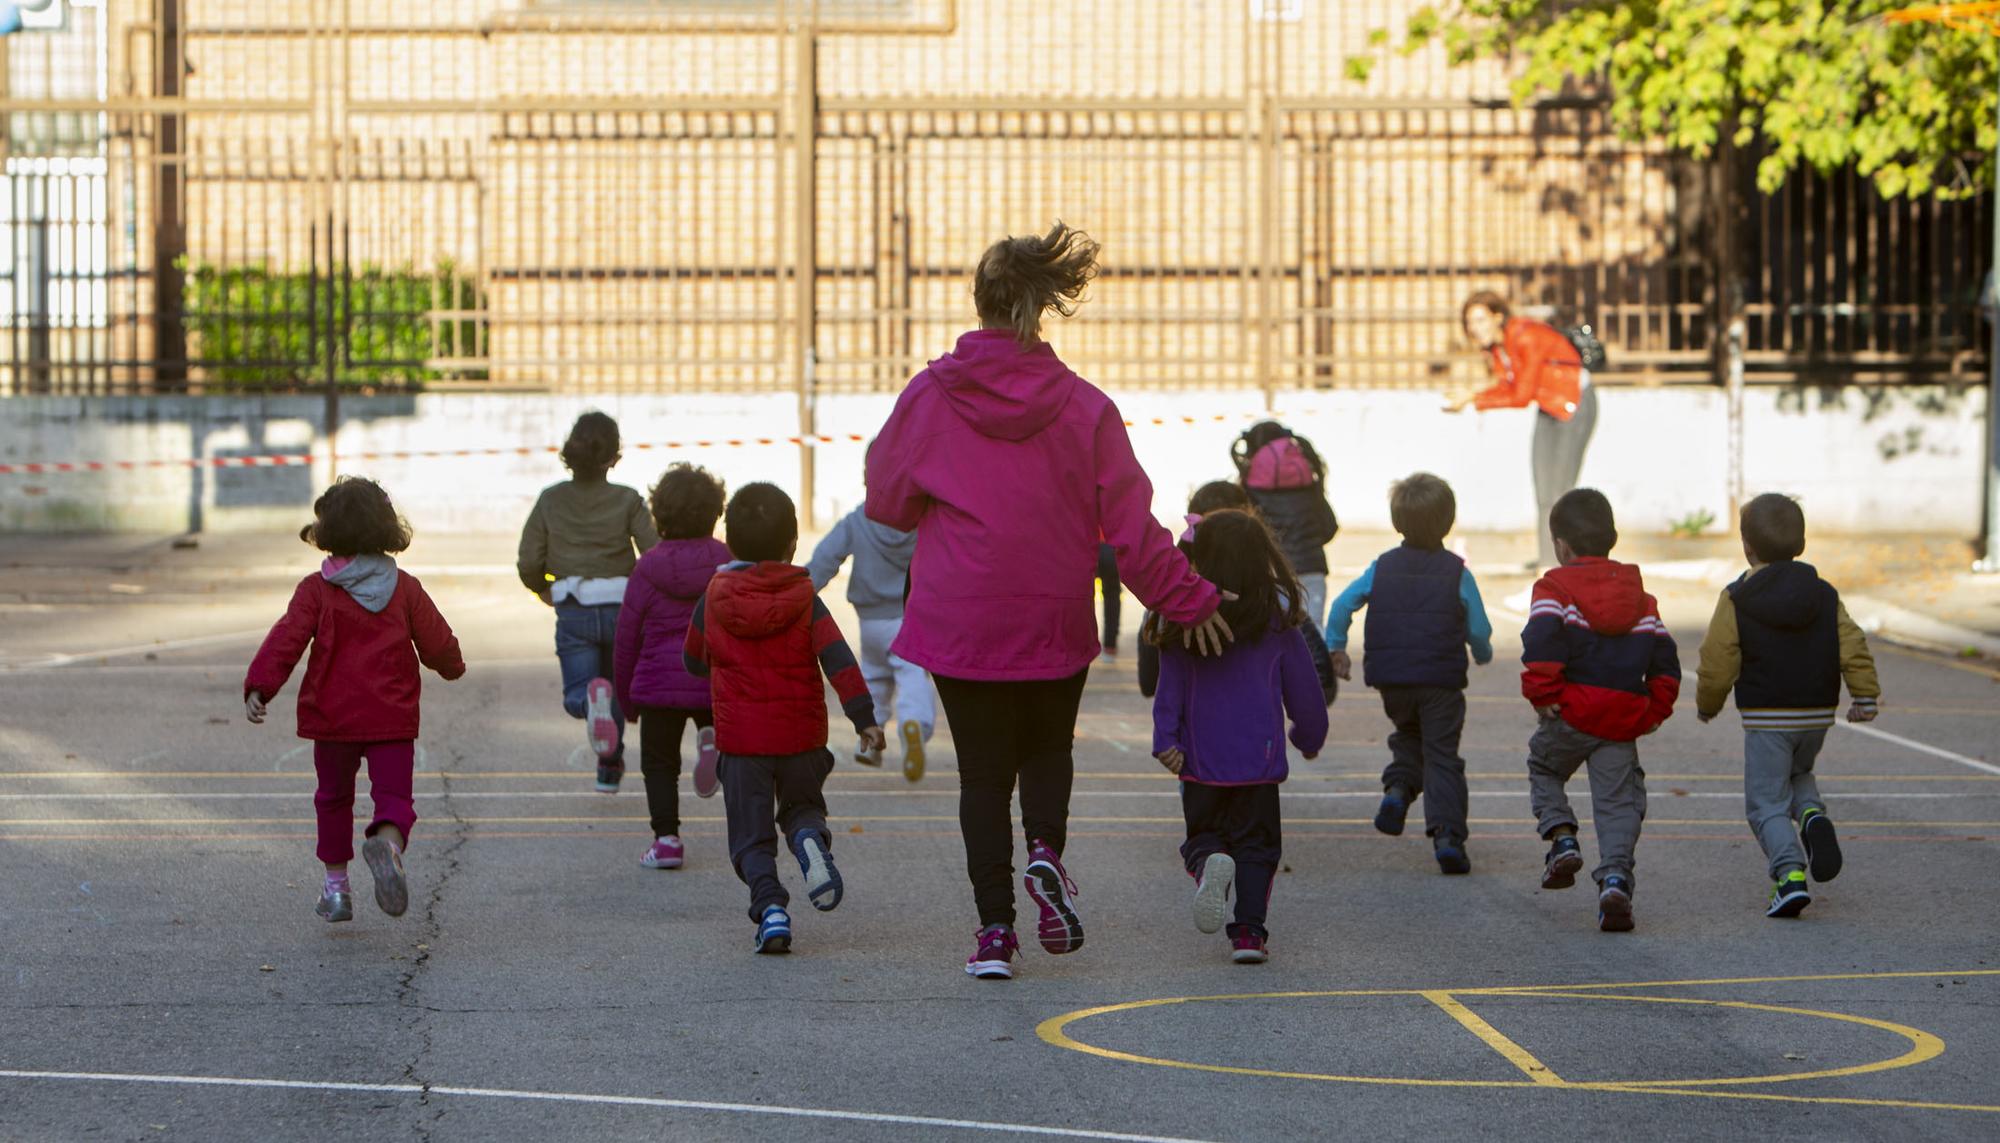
1558	459
1617	790
1778	789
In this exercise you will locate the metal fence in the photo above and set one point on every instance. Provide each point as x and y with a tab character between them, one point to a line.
780	195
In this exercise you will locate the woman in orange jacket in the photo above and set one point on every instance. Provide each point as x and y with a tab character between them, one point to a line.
1534	363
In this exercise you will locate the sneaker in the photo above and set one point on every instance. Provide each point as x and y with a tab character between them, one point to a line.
913	750
994	959
823	885
1822	847
707	779
1048	883
335	907
666	853
1211	892
1789	897
1248	949
1394	809
598	720
1451	856
1614	905
867	755
774	932
1563	863
1109	656
610	772
385	865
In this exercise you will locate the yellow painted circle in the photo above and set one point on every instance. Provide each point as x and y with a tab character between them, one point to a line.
1923	1045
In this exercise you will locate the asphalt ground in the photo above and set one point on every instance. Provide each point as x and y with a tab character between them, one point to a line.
162	974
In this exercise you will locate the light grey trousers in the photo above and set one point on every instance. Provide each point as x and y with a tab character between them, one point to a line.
1778	789
1617	791
1558	459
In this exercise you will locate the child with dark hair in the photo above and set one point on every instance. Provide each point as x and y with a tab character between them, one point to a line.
1217	496
1219	725
370	628
578	549
1601	672
1423	611
875	586
1783	641
651	681
1286	480
762	637
1012	469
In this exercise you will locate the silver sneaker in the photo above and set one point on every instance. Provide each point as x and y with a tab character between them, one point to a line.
335	906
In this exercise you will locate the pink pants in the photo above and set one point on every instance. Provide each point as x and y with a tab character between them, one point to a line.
391	769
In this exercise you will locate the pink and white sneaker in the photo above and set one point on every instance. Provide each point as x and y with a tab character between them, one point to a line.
666	853
706	780
599	719
994	959
1060	929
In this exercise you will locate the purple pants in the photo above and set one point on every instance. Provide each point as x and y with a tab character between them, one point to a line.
391	770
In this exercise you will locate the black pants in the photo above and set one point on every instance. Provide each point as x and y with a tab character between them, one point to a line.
1424	753
1107	573
767	797
1003	731
660	731
1241	821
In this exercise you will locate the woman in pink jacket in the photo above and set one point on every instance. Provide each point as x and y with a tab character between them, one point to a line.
1007	465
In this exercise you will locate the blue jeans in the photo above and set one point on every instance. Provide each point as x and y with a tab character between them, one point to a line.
584	637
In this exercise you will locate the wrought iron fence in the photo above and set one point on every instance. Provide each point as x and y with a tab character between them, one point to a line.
777	195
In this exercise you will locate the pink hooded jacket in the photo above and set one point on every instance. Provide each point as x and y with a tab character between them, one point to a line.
1007	465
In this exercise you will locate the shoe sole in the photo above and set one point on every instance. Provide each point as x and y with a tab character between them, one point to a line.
1561	873
1822	848
706	778
1211	895
334	918
664	863
1789	906
822	878
873	761
1614	912
913	751
1060	929
392	888
774	945
1390	821
601	728
989	970
1454	864
1249	956
604	787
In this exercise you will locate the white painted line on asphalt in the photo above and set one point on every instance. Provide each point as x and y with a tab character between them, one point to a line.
1920	747
46	662
843	795
588	1098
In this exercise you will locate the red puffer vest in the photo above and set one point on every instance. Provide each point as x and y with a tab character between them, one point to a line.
764	676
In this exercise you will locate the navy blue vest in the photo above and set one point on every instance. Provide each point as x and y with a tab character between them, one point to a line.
1416	622
1787	623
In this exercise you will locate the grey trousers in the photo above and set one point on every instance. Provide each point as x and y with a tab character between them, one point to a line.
1424	756
1558	458
1617	791
1778	789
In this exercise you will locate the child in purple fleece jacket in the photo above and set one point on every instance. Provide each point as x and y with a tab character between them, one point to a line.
1219	724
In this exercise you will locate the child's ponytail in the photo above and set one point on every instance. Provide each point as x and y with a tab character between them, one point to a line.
1020	278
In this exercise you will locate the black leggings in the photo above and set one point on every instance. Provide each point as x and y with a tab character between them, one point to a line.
1107	572
1003	730
660	731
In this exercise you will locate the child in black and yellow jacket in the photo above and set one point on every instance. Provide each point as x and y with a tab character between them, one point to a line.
1783	641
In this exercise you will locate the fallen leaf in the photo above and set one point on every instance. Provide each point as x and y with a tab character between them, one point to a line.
266	968
855	829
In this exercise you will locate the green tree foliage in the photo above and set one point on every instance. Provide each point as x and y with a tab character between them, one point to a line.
1822	83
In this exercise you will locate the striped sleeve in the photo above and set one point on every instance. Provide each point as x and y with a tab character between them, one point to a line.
1663	673
1544	649
694	652
836	659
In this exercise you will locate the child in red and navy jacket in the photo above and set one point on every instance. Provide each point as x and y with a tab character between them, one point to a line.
762	637
370	626
1602	672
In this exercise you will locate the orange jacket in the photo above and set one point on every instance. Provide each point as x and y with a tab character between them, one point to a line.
1533	364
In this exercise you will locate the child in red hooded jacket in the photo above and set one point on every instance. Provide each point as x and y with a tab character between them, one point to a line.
369	626
1602	672
762	638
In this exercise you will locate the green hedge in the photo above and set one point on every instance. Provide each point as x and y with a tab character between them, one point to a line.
254	327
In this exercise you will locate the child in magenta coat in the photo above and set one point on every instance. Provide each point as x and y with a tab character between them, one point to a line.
369	627
1219	724
647	670
1007	465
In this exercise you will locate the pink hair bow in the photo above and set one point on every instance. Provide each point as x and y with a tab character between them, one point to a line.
1193	521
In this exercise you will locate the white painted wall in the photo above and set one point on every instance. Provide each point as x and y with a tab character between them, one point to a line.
1875	460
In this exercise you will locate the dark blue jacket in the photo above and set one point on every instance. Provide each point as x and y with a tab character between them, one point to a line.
1415	631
